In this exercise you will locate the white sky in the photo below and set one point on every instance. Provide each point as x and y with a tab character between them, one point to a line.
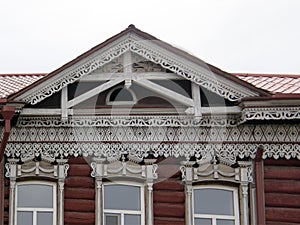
254	36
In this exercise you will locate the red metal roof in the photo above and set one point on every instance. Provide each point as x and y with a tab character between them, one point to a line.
12	83
275	83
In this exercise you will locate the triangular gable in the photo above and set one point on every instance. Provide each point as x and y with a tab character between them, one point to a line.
146	46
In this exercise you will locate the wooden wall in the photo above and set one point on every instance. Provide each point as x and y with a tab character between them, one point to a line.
79	194
168	194
282	192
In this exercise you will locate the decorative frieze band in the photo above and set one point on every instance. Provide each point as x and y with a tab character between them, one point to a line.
141	121
253	133
274	113
225	152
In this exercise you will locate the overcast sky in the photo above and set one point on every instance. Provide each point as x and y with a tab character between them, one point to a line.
254	36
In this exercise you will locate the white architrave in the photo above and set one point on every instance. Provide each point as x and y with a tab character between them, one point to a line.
211	171
36	169
122	169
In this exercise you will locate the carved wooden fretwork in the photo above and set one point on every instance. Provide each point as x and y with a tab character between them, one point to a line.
148	50
278	140
272	113
118	167
114	66
212	171
140	64
37	170
130	121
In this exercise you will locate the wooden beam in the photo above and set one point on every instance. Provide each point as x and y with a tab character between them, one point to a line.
94	92
197	99
127	65
172	95
143	75
64	101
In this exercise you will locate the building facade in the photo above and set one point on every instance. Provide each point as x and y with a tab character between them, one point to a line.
138	132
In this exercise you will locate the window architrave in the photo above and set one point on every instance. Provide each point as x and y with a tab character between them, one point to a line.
211	172
32	170
120	171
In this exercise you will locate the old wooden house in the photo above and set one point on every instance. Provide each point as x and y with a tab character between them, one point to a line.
138	132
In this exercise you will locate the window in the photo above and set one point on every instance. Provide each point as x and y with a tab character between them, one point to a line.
120	96
123	204
215	205
35	203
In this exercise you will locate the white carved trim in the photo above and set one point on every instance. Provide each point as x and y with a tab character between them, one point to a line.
272	113
149	50
131	121
35	169
213	171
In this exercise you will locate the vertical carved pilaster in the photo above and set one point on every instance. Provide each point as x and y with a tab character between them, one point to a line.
98	209
62	174
11	173
187	177
151	175
98	172
245	179
61	202
12	192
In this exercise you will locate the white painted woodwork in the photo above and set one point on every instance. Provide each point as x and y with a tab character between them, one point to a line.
127	65
64	101
197	99
93	92
172	95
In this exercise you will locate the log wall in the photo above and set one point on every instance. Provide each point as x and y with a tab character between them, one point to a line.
79	194
282	192
168	194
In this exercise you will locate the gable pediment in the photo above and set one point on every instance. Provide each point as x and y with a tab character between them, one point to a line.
132	58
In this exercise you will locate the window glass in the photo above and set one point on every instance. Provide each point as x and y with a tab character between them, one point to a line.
203	222
120	94
122	197
44	218
24	218
213	201
35	195
132	219
123	204
225	222
112	219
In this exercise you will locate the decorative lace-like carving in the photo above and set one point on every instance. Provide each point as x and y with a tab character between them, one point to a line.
270	113
205	77
210	121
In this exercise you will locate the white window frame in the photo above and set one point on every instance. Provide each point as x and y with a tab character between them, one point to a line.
214	217
36	210
128	212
